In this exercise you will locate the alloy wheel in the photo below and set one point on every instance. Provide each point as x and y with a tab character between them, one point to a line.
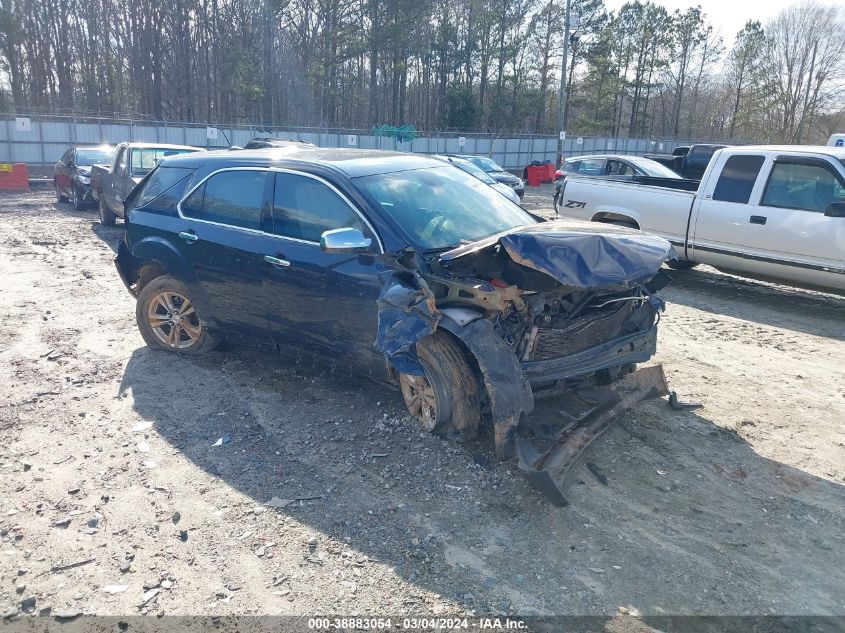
420	399
173	320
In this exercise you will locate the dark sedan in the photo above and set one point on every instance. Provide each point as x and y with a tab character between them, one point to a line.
396	266
497	172
72	174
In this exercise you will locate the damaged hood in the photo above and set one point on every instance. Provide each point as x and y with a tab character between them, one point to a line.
583	255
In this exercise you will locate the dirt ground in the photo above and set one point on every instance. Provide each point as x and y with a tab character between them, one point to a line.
136	481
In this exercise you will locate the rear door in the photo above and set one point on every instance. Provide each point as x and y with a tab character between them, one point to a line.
112	185
325	301
792	238
723	213
222	236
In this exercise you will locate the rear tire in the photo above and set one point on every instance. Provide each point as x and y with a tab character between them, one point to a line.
168	320
630	225
446	400
681	264
107	216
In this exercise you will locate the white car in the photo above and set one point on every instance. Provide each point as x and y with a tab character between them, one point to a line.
771	212
483	176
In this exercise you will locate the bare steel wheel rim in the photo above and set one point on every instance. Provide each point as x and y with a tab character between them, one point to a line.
173	320
420	399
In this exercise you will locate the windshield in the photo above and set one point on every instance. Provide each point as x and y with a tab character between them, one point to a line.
440	207
144	159
653	168
473	170
93	156
487	164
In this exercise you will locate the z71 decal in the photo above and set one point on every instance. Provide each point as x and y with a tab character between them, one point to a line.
575	204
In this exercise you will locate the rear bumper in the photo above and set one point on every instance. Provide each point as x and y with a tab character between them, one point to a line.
632	348
125	264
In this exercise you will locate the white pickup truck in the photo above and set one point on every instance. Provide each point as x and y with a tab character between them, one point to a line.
766	212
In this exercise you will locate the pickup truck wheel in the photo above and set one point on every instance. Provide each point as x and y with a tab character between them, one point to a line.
168	319
446	399
681	264
107	216
59	197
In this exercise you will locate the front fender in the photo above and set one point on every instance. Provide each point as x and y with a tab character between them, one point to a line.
508	391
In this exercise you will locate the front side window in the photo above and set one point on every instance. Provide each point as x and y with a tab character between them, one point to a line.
737	179
440	207
230	197
304	208
618	168
802	186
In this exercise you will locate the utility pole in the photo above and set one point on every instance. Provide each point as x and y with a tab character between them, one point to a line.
561	111
807	94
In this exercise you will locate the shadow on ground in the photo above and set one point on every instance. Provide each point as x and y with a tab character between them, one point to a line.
692	520
786	307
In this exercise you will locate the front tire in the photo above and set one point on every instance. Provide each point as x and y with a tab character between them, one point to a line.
107	216
76	200
60	198
446	400
168	320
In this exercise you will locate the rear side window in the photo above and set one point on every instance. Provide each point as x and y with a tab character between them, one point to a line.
592	167
303	208
161	181
737	179
802	186
700	155
230	197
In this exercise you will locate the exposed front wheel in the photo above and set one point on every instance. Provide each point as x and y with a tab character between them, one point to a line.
168	319
107	216
446	399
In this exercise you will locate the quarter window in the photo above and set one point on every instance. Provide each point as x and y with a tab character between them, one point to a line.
303	208
802	186
737	179
230	197
591	167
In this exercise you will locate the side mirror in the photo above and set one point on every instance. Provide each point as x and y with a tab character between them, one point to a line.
835	210
346	240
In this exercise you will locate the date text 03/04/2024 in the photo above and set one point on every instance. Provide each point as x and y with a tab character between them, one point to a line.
418	624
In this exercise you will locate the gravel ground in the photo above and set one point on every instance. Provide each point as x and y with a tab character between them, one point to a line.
140	482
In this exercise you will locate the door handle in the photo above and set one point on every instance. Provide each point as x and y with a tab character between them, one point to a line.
275	261
758	219
188	236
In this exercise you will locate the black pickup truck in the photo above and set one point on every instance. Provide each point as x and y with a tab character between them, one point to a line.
688	161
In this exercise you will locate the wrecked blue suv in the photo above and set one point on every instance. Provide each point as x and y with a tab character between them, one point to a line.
409	271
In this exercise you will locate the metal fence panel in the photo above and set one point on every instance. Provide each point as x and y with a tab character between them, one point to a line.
50	136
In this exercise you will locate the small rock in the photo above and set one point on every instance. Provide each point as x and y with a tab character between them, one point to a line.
183	535
166	584
66	614
151	584
143	447
175	518
22	571
10	613
260	551
149	596
115	588
93	522
73	491
20	588
259	510
62	523
125	566
28	605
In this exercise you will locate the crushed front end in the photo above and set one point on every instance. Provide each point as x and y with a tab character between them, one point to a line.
559	308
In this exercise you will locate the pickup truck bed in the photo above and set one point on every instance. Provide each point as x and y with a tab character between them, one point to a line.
766	212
